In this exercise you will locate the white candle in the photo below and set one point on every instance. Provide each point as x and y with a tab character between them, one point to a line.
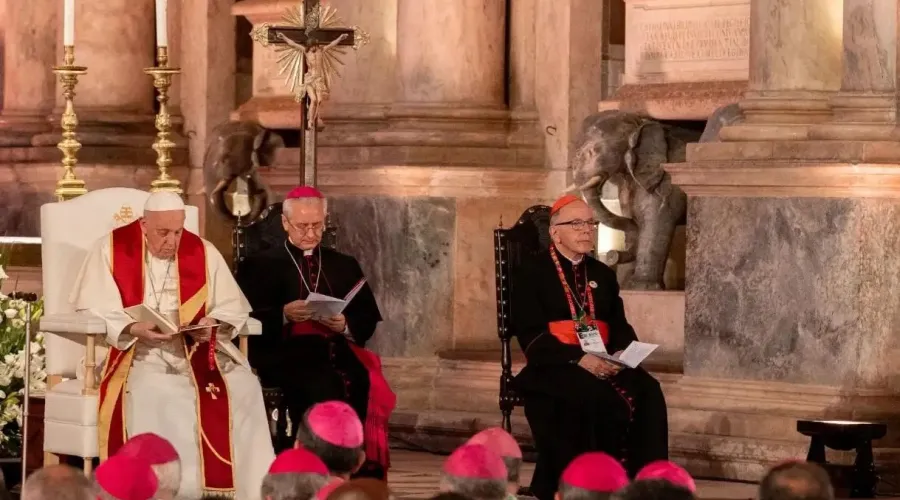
69	22
162	34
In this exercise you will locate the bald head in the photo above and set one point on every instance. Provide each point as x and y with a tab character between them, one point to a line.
796	481
58	482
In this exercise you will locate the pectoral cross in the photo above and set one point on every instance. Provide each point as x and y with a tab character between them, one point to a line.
212	390
306	57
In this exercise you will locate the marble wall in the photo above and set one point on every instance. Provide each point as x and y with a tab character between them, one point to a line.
430	261
405	247
794	289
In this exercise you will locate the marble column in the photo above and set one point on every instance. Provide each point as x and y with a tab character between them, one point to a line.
29	51
866	106
451	60
795	67
569	38
115	39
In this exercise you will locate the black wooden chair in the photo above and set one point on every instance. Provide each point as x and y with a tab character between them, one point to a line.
529	236
248	240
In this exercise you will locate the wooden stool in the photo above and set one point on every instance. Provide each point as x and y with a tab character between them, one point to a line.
844	436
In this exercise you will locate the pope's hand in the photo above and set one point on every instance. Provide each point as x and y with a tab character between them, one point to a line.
335	323
148	333
203	334
297	311
598	366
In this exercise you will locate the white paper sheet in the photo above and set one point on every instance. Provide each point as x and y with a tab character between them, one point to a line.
632	356
324	306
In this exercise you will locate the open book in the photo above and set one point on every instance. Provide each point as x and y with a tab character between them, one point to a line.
142	313
324	306
632	356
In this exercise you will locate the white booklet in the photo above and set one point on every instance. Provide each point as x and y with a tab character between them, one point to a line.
632	356
142	313
324	306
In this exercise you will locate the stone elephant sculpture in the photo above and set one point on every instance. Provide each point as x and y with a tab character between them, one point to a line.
234	152
629	151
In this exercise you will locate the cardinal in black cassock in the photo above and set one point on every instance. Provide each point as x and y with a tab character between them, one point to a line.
577	402
317	359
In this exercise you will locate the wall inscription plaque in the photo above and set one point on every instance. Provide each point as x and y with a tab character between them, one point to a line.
683	41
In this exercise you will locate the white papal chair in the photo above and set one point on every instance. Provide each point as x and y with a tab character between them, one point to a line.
75	341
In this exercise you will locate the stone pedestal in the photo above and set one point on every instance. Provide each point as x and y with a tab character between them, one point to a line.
29	86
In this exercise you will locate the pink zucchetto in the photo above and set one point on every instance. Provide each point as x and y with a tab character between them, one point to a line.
304	192
126	478
499	441
668	471
150	448
298	461
475	461
595	471
335	422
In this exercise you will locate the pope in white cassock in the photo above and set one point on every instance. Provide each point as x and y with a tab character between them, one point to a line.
193	388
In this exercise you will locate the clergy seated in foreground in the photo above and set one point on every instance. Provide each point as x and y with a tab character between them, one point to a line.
577	402
194	389
316	359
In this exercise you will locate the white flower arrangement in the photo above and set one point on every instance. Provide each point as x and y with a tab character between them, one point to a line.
12	366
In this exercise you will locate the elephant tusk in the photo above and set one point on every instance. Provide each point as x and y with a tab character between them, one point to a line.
571	189
590	184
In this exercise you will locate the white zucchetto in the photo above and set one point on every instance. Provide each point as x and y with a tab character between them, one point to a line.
163	201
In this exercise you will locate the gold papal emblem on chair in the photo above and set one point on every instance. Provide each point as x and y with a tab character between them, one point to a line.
124	216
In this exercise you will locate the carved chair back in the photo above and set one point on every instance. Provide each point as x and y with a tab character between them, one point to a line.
69	229
251	239
529	236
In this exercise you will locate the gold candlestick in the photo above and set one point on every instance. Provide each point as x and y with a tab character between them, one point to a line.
69	186
162	79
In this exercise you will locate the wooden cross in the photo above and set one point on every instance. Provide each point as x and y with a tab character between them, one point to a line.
212	390
313	40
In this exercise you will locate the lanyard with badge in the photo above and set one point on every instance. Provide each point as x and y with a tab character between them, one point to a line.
585	328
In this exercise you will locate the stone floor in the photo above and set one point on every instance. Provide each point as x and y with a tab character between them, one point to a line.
416	475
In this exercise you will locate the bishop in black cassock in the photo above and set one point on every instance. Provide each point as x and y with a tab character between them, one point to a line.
314	360
576	402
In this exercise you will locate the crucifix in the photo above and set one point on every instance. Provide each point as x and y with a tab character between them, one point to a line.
309	46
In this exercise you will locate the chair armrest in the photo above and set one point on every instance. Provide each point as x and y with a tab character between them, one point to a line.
79	323
254	327
83	323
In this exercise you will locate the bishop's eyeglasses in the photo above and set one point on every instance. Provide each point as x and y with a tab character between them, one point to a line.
580	225
316	227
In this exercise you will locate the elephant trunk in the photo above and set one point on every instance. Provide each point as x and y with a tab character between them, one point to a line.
607	218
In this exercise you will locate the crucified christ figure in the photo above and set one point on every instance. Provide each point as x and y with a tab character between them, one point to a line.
315	84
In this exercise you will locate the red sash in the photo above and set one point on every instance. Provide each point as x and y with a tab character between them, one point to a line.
213	402
381	400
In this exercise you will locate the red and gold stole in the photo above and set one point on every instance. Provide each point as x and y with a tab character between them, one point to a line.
213	402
